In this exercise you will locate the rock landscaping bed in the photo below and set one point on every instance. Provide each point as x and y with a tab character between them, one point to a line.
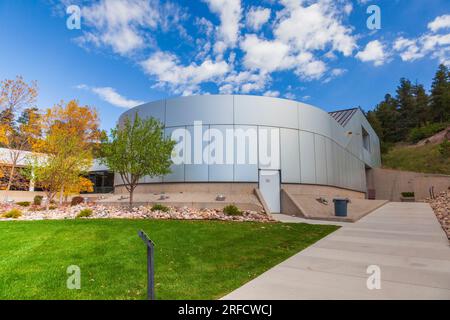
441	207
97	211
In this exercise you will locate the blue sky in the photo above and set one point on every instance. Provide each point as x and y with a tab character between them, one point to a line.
131	51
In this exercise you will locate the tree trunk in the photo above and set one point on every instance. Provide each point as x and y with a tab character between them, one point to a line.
49	199
11	175
131	198
61	196
10	180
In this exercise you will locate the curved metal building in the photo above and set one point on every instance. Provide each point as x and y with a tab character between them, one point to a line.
306	144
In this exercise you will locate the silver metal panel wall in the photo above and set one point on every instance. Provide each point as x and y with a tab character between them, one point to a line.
330	162
245	172
307	157
155	109
196	169
177	174
221	172
321	159
265	111
314	120
290	156
269	148
208	109
313	147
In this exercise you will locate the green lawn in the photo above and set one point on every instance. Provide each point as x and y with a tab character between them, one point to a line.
194	260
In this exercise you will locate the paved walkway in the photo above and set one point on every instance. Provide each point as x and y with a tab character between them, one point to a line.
404	239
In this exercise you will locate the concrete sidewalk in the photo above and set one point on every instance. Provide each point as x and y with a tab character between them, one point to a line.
404	239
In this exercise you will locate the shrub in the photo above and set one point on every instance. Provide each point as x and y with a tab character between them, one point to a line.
408	194
52	207
417	134
24	203
37	201
159	207
76	200
85	213
232	210
14	214
444	149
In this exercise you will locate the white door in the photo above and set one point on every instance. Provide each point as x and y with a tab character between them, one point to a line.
269	185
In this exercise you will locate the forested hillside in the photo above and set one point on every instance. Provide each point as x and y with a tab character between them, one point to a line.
411	115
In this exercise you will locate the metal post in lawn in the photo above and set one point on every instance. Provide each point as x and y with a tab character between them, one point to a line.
150	265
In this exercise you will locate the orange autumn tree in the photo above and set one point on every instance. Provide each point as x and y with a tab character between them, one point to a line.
82	185
20	124
70	132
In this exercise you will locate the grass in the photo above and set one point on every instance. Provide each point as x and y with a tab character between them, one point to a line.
194	260
426	159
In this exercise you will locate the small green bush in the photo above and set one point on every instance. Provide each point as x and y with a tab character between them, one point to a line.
52	207
14	214
444	149
232	210
37	201
85	213
159	207
76	200
408	194
23	203
417	134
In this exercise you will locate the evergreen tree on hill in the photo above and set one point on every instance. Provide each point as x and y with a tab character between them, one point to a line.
440	95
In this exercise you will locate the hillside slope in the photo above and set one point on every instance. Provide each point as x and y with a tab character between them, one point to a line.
423	157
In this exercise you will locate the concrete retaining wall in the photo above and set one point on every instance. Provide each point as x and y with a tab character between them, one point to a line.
389	183
322	191
226	188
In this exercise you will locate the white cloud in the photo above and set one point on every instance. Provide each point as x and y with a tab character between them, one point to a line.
308	68
257	17
408	49
306	98
245	81
441	22
111	96
265	55
373	52
226	89
334	73
431	44
182	79
271	93
124	25
229	12
116	23
273	55
290	96
316	26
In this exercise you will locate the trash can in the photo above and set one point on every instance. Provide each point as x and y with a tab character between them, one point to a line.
340	206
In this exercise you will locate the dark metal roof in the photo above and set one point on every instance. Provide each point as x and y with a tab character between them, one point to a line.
343	116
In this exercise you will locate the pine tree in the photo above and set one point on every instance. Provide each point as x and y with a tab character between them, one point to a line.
440	95
422	116
406	107
388	116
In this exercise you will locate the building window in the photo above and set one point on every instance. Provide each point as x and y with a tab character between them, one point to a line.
103	181
366	139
